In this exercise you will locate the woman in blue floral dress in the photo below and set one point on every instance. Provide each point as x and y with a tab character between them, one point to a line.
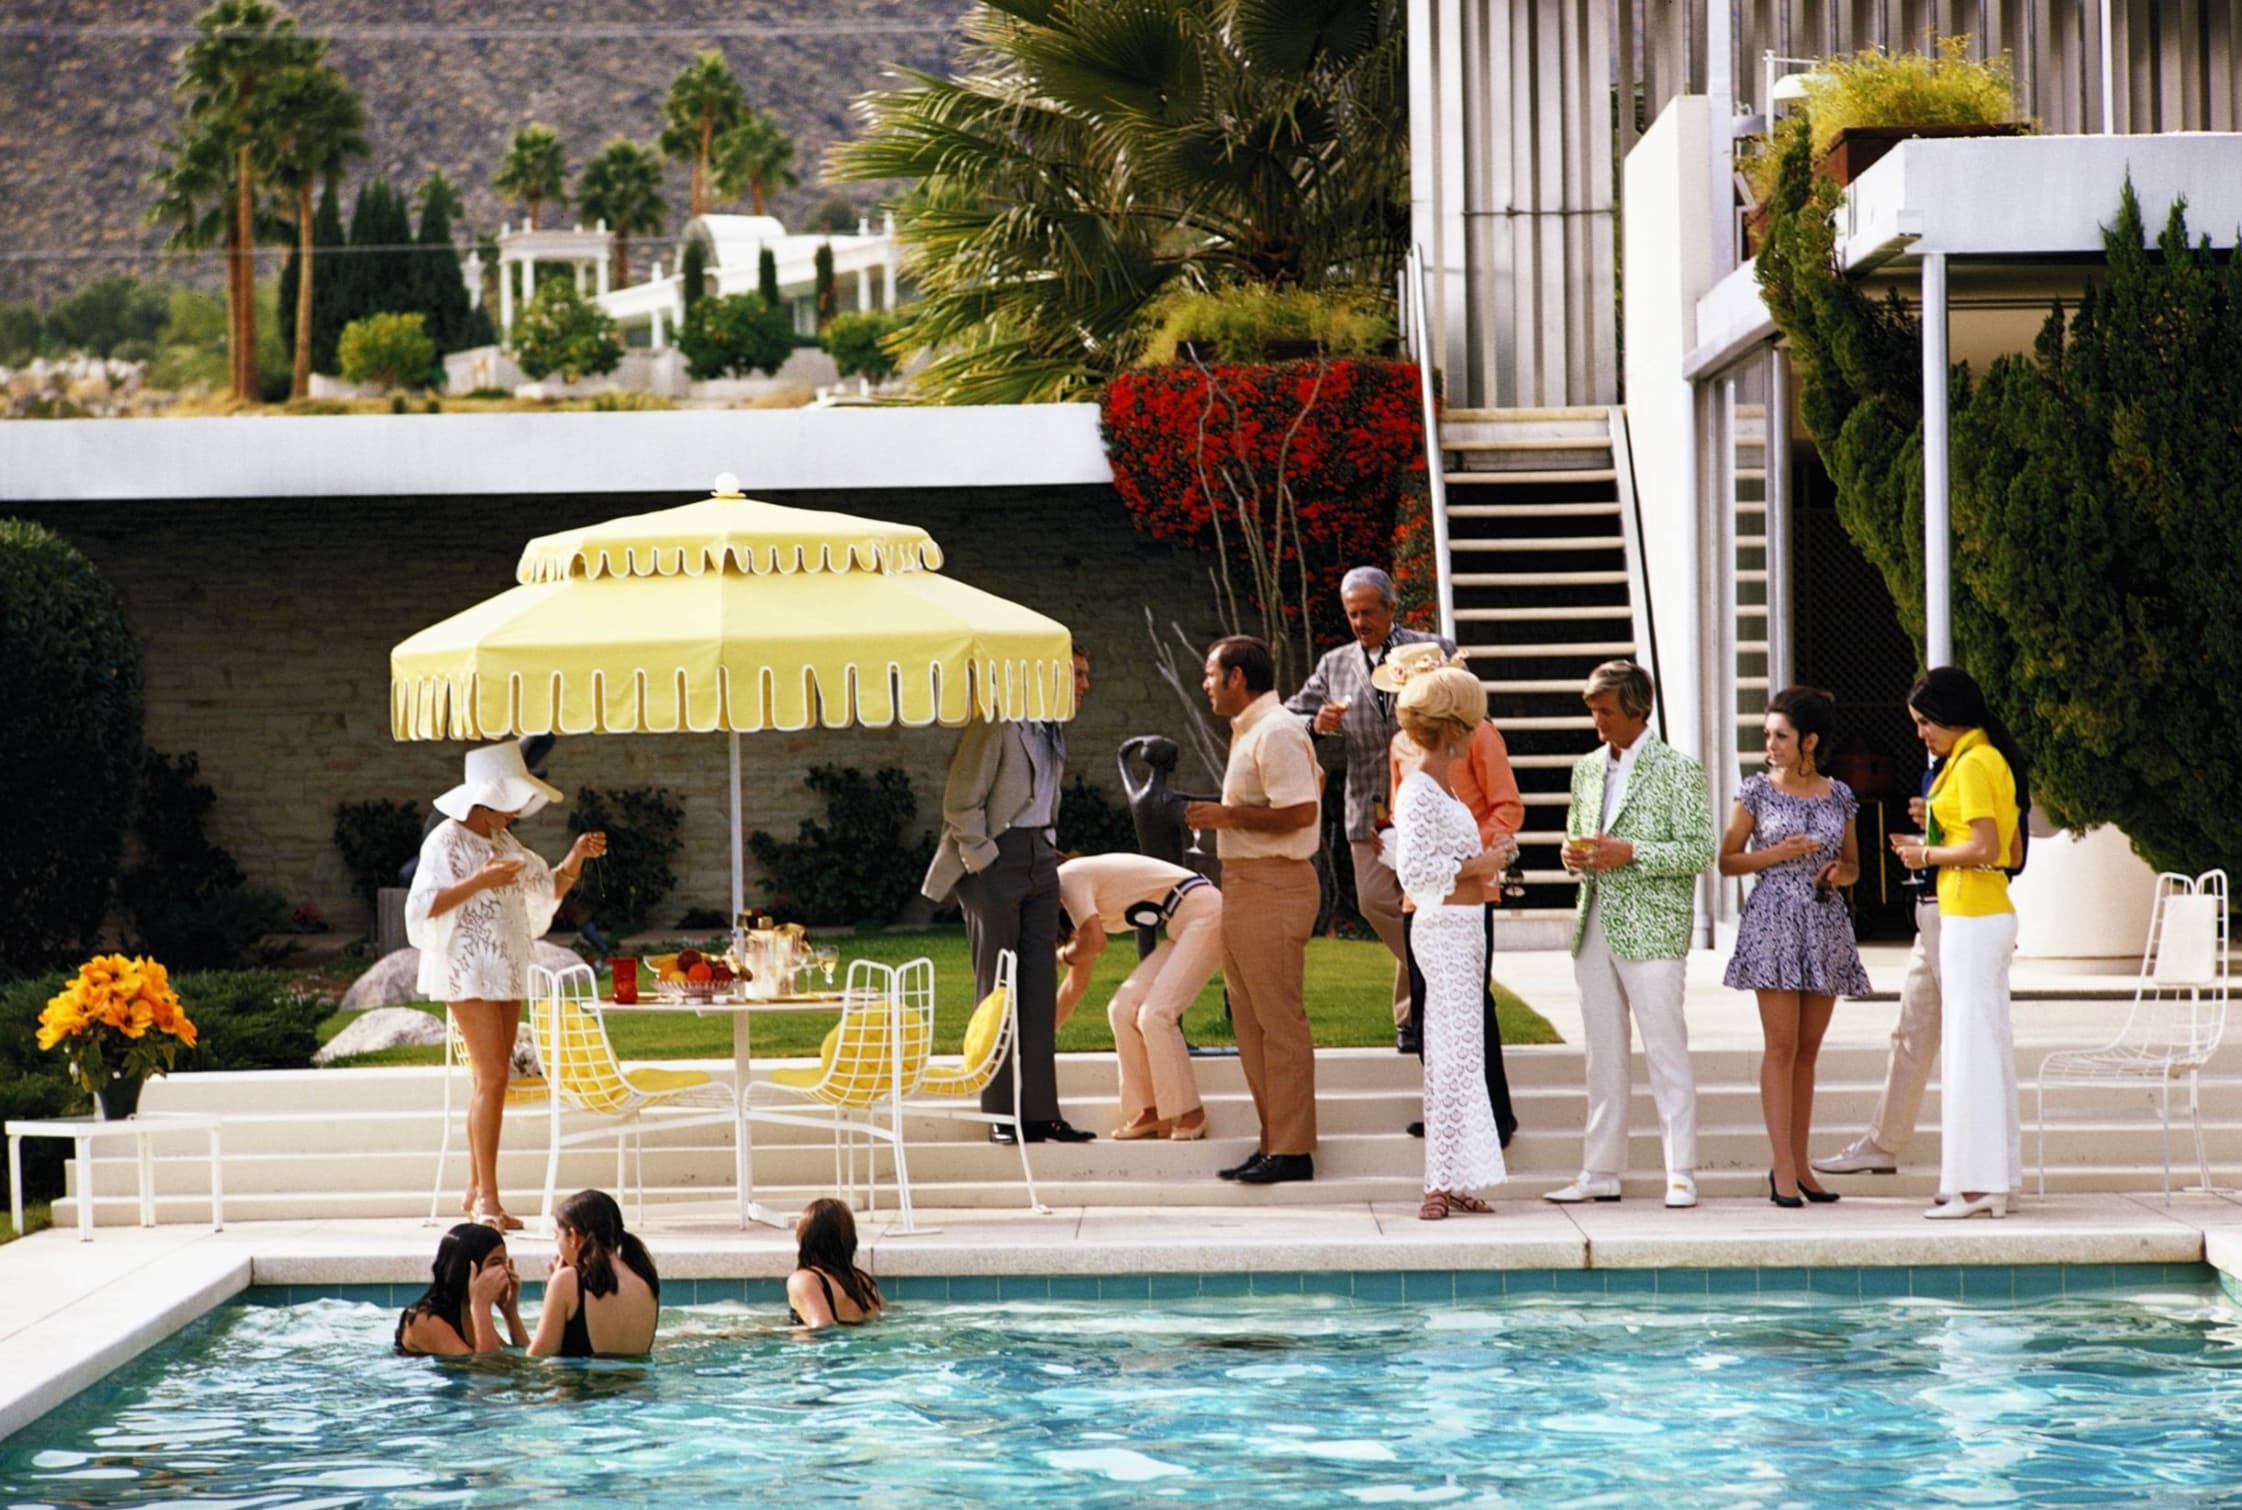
1792	827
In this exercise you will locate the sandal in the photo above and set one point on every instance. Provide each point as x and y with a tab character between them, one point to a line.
1471	1203
493	1216
1435	1208
1146	1126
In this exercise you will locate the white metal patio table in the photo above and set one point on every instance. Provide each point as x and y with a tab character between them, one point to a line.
86	1131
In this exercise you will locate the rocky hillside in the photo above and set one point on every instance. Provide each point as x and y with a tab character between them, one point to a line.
85	98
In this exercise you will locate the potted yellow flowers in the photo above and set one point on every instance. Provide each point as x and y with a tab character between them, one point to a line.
120	1022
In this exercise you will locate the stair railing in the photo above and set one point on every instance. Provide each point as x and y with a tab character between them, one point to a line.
1419	332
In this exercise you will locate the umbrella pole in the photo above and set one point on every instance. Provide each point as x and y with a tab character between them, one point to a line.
739	861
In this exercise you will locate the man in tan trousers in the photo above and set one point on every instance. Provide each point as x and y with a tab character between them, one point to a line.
1119	893
1266	834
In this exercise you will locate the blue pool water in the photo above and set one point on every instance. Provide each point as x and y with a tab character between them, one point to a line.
2128	1398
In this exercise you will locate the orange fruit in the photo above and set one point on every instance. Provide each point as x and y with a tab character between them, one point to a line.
698	970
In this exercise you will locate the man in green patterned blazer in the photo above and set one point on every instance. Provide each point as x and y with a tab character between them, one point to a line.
1639	831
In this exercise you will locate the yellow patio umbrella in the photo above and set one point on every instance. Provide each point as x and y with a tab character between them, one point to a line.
729	614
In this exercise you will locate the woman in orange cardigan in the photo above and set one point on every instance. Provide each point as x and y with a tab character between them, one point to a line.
1483	783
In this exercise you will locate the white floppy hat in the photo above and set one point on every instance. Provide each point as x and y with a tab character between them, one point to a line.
496	778
1410	660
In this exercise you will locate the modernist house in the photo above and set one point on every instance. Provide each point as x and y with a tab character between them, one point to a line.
1624	471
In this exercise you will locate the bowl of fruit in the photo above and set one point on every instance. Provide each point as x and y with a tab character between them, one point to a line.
690	975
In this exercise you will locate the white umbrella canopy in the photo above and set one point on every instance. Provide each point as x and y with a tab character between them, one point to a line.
736	615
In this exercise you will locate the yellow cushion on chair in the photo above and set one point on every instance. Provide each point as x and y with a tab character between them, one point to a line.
974	1070
803	1079
651	1082
866	1072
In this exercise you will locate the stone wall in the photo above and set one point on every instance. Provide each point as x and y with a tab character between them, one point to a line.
266	627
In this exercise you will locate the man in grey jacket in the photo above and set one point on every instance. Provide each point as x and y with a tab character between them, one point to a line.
997	854
1338	699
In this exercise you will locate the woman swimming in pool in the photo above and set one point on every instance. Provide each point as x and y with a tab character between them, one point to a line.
471	1277
602	1296
827	1288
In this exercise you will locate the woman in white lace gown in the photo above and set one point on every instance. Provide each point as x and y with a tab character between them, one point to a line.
479	902
1439	860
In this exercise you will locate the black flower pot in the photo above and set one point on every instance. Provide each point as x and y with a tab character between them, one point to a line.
120	1098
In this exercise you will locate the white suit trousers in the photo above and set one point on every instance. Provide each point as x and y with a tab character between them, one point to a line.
1914	1040
1981	1143
1649	991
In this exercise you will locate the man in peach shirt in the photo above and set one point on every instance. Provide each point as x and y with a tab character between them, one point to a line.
1484	784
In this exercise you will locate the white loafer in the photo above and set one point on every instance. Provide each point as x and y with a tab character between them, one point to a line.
1681	1192
1587	1187
1994	1205
1861	1156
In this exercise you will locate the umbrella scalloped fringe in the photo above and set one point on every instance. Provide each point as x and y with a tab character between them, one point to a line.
453	707
557	558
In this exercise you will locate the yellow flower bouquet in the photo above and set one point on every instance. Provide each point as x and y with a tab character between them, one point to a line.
118	1019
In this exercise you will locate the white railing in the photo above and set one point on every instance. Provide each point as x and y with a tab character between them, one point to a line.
1419	334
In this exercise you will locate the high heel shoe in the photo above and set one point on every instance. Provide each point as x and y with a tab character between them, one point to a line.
1818	1196
1787	1202
1994	1205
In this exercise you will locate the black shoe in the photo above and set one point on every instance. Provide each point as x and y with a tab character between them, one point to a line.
1239	1171
1787	1202
1415	1129
1406	1042
1002	1136
1280	1169
1059	1130
1818	1197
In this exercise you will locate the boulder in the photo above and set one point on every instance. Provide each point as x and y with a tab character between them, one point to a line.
395	977
382	1028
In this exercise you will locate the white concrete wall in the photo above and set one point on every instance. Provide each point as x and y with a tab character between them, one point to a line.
381	455
1668	268
2083	896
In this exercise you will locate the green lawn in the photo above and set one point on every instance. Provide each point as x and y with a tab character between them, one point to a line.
1349	1006
36	1215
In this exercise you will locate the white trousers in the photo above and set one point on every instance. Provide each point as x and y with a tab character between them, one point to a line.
1981	1144
1649	991
1914	1040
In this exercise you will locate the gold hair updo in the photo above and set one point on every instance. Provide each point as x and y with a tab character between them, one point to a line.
1440	708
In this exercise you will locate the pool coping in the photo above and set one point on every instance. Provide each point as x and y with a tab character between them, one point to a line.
72	1312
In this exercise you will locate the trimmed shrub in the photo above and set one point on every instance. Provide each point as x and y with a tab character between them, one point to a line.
735	335
859	345
1877	88
388	349
564	333
376	839
621	889
190	905
69	748
861	865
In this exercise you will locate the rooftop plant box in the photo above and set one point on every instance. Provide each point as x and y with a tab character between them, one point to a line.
1859	148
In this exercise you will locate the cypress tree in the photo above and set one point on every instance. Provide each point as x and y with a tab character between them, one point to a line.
692	270
824	265
438	290
381	235
327	241
766	275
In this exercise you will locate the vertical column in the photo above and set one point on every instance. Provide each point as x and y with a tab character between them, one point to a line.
1938	544
600	274
505	296
887	263
1775	460
863	288
658	341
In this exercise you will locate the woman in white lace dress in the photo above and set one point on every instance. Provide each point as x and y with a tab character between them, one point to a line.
1439	860
480	900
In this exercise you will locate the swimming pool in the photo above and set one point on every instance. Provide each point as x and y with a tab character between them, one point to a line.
1304	1399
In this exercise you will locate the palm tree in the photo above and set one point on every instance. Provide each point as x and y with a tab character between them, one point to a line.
753	157
1087	155
318	125
535	170
623	186
703	101
240	48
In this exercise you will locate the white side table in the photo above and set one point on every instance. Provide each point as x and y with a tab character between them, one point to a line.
85	1132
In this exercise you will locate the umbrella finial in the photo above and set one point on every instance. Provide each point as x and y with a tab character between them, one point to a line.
728	486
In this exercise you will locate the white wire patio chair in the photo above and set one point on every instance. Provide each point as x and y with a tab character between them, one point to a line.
953	1090
2177	1020
586	1078
870	1064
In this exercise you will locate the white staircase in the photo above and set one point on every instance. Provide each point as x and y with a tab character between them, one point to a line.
1542	572
362	1143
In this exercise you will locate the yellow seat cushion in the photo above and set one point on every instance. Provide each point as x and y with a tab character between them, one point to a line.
525	1089
651	1082
974	1069
868	1072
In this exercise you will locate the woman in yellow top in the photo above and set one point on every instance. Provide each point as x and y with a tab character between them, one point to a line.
1974	837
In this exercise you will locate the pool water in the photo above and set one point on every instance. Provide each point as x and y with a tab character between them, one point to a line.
2131	1398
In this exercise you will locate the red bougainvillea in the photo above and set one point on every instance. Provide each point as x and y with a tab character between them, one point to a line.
1320	452
1415	577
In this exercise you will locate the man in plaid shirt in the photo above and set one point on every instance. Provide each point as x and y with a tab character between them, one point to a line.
1338	699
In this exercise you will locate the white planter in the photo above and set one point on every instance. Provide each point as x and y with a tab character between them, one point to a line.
2083	896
